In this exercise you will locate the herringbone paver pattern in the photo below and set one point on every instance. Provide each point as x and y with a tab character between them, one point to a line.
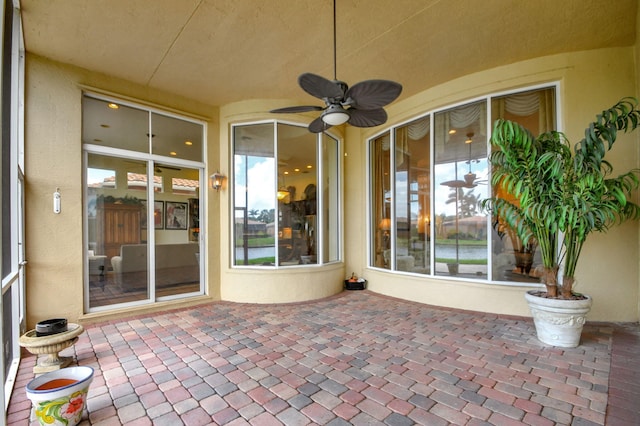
357	358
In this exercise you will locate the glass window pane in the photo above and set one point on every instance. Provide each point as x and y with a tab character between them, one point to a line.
535	110
460	184
117	255
176	137
8	321
330	202
8	144
297	200
381	199
177	246
254	195
276	203
412	203
112	125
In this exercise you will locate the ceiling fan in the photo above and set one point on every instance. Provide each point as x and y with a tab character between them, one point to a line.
359	105
469	179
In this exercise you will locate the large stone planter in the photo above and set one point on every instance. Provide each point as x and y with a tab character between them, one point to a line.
558	322
50	345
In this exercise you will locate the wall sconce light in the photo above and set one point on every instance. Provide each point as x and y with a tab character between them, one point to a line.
217	179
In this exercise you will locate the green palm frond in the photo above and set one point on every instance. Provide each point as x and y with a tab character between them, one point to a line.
560	190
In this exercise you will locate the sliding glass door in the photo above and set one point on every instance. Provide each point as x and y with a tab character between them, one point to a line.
143	201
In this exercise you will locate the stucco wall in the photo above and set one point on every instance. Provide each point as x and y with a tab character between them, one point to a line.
608	269
53	159
589	82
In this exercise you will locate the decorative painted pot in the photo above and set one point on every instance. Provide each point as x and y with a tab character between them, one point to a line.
558	322
59	397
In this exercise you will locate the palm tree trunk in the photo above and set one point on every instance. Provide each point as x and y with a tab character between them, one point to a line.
546	240
550	280
567	287
573	243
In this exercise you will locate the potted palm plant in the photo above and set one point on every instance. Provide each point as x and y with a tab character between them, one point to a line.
559	195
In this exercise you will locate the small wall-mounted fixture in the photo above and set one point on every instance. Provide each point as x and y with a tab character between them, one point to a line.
56	201
217	179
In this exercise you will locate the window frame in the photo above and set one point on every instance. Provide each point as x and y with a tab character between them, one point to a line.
152	160
320	216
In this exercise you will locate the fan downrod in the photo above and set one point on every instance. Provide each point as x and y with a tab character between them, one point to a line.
360	106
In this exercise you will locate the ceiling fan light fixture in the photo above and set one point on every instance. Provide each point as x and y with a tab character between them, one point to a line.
335	115
469	179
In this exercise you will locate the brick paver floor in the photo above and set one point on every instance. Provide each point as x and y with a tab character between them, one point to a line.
356	358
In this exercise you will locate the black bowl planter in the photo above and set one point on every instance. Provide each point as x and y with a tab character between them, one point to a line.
51	326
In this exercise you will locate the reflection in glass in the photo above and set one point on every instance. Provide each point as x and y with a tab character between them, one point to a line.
178	138
511	259
254	194
114	219
137	181
177	246
461	173
286	198
297	175
113	125
412	203
330	199
119	232
381	197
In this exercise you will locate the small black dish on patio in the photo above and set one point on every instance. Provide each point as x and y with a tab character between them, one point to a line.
355	283
51	326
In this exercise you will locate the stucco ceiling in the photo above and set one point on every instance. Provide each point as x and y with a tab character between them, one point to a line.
222	51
